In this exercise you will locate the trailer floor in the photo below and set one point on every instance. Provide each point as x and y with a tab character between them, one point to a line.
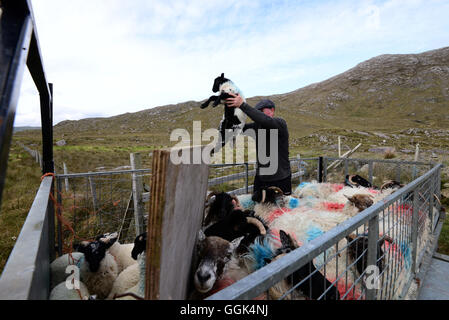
436	282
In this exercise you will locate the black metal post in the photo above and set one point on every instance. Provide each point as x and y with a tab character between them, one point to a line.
320	169
16	29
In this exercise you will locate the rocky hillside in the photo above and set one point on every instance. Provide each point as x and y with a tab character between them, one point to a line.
388	92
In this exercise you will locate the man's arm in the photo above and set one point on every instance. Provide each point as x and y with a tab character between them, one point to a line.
257	116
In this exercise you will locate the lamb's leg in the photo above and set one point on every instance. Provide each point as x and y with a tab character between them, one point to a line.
211	98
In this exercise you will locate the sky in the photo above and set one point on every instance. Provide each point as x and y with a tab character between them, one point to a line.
109	57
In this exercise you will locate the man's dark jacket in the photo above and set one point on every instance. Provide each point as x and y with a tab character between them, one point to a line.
262	121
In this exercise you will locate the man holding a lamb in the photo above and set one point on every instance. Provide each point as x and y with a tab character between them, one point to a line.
266	128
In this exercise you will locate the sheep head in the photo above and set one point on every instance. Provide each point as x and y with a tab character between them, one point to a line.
94	252
214	254
357	181
140	244
361	201
268	195
391	184
220	207
218	82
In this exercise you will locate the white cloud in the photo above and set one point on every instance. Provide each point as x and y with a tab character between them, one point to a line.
110	57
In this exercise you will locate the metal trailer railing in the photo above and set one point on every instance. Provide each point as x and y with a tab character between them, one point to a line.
392	235
26	274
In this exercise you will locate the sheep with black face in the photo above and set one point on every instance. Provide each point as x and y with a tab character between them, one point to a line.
238	224
315	285
233	119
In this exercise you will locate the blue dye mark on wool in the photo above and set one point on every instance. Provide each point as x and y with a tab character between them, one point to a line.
293	203
259	251
406	254
313	233
301	185
247	202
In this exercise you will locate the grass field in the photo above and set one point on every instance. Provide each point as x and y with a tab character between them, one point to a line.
21	185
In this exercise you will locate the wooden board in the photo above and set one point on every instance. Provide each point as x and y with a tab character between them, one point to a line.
176	209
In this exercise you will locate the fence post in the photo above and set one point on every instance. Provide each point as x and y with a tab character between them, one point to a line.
137	192
320	169
373	238
415	229
247	176
370	171
66	180
94	194
325	169
398	173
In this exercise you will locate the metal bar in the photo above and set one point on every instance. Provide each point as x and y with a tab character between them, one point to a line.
419	163
137	186
246	177
320	169
27	271
398	173
47	131
103	173
373	237
415	230
58	212
16	30
324	169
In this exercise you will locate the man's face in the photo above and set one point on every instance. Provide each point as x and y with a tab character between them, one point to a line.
268	111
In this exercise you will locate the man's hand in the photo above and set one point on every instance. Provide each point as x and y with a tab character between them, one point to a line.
235	102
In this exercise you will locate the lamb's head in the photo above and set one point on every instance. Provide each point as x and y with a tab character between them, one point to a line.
218	82
214	254
94	251
220	207
140	244
361	201
268	195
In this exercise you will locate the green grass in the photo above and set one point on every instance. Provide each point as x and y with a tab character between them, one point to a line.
21	184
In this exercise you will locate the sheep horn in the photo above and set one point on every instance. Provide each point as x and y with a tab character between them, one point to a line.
276	189
258	224
210	195
264	193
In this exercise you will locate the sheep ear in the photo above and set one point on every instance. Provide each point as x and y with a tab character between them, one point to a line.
257	196
234	244
222	75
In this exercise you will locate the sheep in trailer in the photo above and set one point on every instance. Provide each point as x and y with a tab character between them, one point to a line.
61	292
103	269
316	286
233	119
237	224
218	206
97	268
130	284
218	267
121	252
